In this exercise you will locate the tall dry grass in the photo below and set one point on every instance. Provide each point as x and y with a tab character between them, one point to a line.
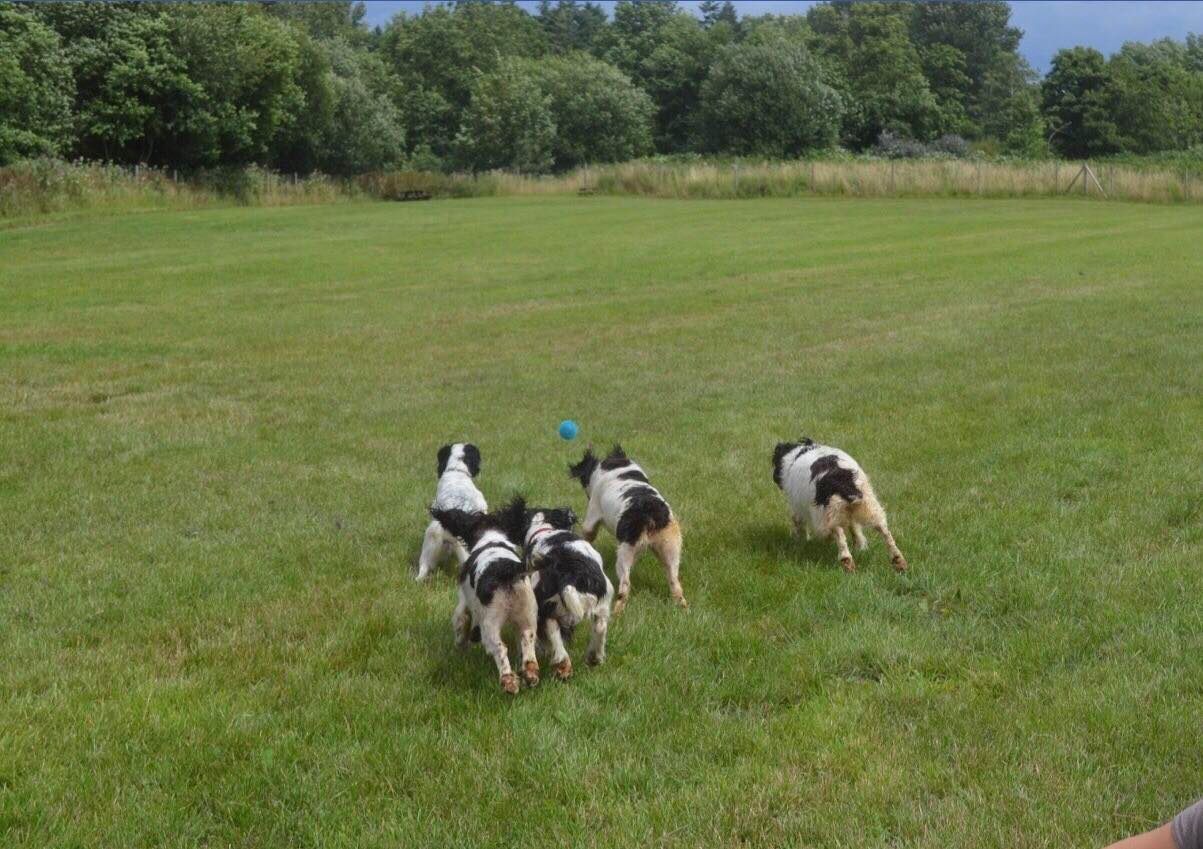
39	187
896	178
45	186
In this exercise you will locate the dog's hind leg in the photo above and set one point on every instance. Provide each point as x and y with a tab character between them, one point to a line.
524	613
896	557
841	543
624	559
596	653
432	549
666	543
490	636
461	624
593	520
559	655
858	534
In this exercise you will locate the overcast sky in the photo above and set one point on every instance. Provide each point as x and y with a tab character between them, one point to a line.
1048	26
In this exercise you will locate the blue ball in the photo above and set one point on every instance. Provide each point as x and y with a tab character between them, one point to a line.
568	429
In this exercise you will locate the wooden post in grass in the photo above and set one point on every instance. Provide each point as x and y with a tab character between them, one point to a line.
893	162
1086	175
812	176
1056	176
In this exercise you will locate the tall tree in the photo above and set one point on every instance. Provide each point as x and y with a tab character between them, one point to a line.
508	123
570	25
438	54
600	115
1157	99
714	12
35	88
134	96
768	99
878	71
1077	103
982	34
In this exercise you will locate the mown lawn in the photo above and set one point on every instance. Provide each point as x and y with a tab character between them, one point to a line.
217	443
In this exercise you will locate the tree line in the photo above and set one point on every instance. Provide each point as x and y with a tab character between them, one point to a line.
475	85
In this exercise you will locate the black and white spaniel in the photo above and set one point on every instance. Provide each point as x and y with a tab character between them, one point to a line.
459	464
829	494
494	590
621	498
570	584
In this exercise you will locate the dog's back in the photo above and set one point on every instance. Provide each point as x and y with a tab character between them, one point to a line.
569	580
459	464
817	477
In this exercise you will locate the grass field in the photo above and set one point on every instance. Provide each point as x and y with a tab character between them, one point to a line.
218	435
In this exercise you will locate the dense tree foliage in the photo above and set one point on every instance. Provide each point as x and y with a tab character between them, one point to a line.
35	88
768	98
477	85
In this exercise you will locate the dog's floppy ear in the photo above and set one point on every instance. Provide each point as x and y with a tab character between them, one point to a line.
472	458
779	453
513	520
459	523
444	458
583	470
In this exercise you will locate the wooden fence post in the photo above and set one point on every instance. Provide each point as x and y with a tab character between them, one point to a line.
893	162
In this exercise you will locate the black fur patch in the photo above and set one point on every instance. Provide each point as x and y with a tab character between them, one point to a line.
501	572
583	470
835	480
512	519
560	518
444	458
462	524
645	511
779	453
616	459
474	636
472	458
565	566
633	475
784	448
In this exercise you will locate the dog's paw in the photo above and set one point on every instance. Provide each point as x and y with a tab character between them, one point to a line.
509	683
595	659
681	602
900	564
619	604
563	669
530	673
848	564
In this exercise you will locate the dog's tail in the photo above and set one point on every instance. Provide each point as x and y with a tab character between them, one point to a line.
572	601
461	524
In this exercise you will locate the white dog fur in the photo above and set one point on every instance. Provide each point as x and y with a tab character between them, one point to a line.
829	495
621	498
459	464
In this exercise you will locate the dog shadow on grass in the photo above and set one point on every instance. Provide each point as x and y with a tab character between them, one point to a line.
775	541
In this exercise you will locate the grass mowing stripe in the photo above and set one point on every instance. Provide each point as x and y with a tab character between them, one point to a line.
219	430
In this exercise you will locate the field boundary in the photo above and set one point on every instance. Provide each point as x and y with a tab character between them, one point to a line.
41	187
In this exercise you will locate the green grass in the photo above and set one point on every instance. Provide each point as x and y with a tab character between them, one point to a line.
219	431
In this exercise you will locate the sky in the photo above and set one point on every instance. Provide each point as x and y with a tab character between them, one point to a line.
1047	25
